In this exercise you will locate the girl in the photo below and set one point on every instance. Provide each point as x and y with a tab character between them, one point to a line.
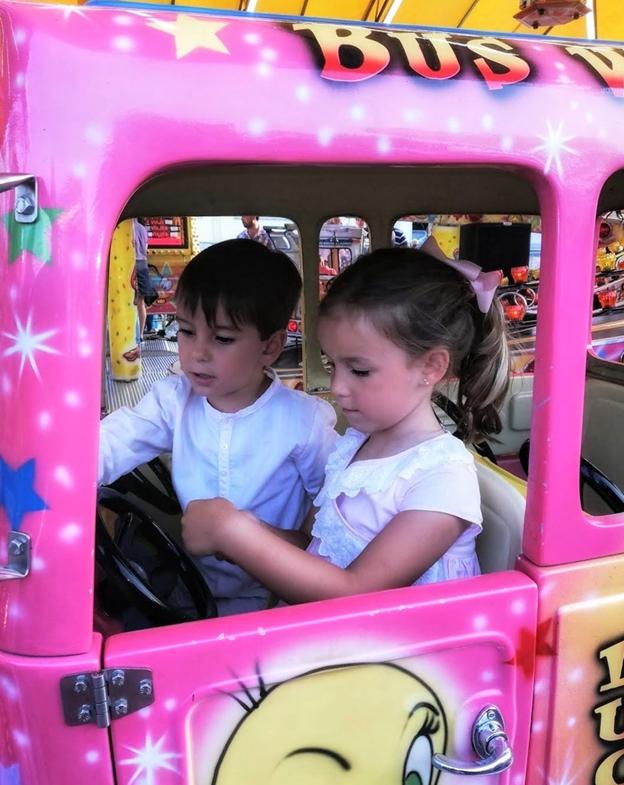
400	503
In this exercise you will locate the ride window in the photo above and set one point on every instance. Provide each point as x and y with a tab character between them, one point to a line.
602	469
133	365
342	240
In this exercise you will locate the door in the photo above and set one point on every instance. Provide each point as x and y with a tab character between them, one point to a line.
363	689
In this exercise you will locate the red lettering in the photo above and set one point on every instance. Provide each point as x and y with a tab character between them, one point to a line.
448	62
488	50
375	56
611	72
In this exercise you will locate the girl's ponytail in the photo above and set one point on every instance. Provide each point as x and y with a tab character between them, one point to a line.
484	377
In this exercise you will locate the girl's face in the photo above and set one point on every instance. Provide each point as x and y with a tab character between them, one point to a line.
223	363
378	386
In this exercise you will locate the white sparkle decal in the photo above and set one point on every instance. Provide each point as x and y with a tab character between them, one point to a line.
70	532
8	688
45	420
20	738
303	93
62	476
72	398
554	145
454	125
325	136
77	259
26	343
506	143
518	607
252	38
123	43
268	54
95	135
480	622
487	122
264	69
575	675
79	170
383	145
7	387
92	756
149	760
412	115
565	778
73	11
257	126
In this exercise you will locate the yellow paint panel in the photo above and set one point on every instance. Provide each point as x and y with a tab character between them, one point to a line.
610	20
575	29
345	9
290	7
436	14
227	5
492	15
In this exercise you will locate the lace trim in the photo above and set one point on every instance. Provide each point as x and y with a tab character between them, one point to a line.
341	546
335	541
374	476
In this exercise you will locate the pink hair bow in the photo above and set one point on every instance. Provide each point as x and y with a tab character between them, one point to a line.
484	285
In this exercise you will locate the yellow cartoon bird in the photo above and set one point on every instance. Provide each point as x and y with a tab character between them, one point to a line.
350	725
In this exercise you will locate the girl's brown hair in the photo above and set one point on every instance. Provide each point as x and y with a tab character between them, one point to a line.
420	303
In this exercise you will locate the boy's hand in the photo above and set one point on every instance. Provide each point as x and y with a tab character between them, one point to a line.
205	523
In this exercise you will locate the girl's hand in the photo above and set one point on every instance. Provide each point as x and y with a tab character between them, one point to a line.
205	524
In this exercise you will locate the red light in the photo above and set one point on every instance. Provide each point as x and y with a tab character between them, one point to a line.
293	326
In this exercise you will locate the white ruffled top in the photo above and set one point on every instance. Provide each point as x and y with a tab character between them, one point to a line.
359	499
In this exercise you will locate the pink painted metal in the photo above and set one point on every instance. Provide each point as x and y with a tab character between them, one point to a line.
93	102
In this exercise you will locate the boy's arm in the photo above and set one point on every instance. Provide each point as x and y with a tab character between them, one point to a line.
130	437
311	458
409	544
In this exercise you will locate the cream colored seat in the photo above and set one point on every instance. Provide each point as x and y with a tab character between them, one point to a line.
503	505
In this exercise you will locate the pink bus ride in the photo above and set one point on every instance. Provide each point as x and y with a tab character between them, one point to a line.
109	112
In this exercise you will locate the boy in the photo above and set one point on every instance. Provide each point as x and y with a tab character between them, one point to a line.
234	430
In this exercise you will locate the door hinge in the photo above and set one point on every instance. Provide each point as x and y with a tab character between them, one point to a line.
101	696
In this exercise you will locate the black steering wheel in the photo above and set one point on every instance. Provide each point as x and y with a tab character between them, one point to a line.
143	577
590	476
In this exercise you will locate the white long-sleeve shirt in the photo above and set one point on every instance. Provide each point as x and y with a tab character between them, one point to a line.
268	458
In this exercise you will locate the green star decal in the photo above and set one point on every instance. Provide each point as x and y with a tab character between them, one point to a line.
33	237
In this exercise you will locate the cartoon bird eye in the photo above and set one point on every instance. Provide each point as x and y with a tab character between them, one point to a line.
418	763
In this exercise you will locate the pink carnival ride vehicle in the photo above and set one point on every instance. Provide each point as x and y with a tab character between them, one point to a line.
112	112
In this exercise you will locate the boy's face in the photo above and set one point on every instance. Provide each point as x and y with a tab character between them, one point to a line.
224	363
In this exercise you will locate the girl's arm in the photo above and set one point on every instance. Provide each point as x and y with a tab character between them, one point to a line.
409	544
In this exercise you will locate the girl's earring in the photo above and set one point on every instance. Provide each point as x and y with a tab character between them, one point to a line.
425	381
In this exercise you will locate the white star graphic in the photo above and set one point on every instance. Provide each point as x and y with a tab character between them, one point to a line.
149	759
26	343
554	145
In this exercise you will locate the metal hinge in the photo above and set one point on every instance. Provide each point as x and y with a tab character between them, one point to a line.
102	696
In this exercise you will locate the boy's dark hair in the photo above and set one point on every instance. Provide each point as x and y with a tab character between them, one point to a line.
250	282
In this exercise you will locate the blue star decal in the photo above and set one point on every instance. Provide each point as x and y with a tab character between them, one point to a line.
10	775
17	494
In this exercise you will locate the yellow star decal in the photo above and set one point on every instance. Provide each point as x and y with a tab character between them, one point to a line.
191	33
